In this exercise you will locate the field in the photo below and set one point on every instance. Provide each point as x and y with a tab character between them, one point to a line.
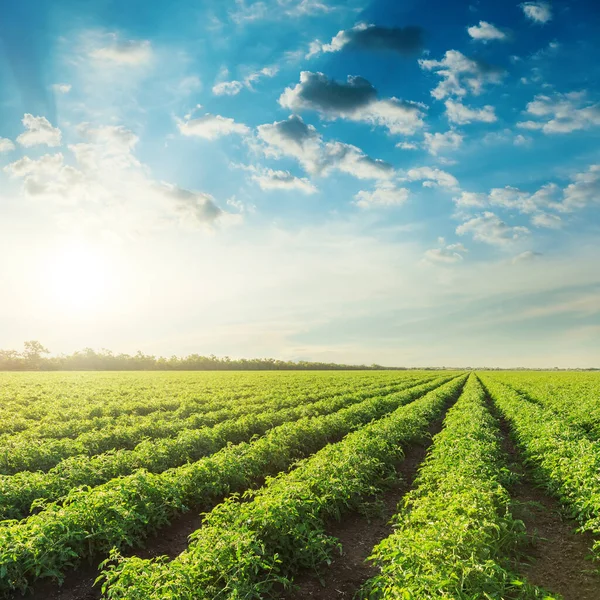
286	485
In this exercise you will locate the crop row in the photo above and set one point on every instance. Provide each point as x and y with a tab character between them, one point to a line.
126	409
563	459
245	549
455	532
58	403
123	511
574	397
17	492
24	454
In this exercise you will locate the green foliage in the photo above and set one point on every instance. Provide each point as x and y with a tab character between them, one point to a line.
245	548
561	456
123	511
455	532
17	492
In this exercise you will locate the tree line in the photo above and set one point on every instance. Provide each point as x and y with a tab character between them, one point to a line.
36	357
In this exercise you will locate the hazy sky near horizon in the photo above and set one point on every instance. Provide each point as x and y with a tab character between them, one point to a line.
401	182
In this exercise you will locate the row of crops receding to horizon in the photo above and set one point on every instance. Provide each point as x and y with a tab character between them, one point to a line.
240	485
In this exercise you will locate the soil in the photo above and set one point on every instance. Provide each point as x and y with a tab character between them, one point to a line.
557	555
358	534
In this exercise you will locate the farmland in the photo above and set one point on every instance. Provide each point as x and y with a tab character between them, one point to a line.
286	485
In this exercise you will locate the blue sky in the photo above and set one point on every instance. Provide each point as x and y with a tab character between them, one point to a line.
406	183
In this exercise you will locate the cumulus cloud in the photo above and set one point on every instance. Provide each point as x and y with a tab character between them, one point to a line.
562	113
198	207
525	202
441	142
433	177
261	10
232	88
407	146
460	75
49	178
463	115
445	254
490	229
384	194
538	12
106	147
294	138
39	131
470	200
584	191
270	179
129	53
485	32
211	127
227	88
62	88
355	100
352	160
6	145
402	40
110	185
547	220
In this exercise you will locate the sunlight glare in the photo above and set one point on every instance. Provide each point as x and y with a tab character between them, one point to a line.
79	279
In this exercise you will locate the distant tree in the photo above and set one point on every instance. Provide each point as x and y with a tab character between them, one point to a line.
33	353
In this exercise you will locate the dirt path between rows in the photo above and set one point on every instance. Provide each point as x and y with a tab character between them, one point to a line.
358	534
557	553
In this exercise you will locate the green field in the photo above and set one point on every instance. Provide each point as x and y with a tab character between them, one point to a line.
97	470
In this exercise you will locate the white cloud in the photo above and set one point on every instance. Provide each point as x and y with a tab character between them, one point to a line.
407	146
490	229
446	254
39	131
547	220
6	145
562	113
270	179
521	140
584	191
433	177
232	88
109	187
486	32
440	142
211	127
292	137
260	10
227	88
62	88
298	140
384	194
355	100
538	12
116	52
352	160
459	113
470	200
460	75
294	8
197	207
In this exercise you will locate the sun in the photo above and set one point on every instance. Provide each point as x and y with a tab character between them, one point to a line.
78	279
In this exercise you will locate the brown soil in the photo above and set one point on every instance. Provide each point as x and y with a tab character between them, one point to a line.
557	555
358	534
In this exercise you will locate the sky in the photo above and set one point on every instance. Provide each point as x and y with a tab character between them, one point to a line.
398	182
